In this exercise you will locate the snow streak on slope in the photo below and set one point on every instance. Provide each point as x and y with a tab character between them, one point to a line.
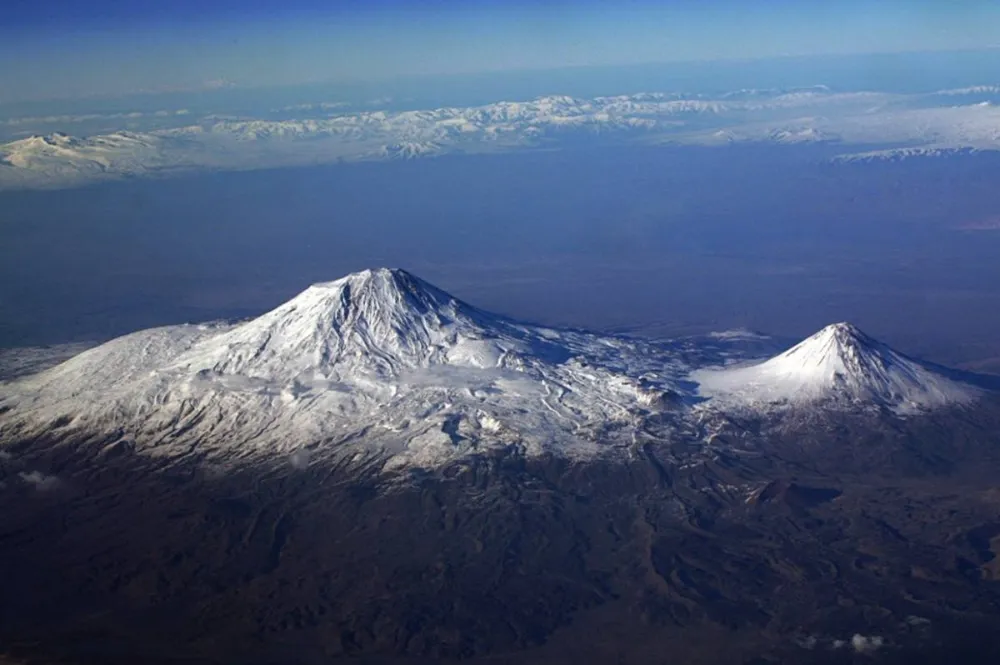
838	364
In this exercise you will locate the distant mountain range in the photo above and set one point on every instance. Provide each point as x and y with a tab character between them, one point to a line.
899	125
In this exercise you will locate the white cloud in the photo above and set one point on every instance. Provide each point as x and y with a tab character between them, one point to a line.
299	459
866	644
41	481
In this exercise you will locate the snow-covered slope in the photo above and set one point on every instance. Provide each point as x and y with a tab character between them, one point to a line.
839	364
378	364
375	323
61	153
381	367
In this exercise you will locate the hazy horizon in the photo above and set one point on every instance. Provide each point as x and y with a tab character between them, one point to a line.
66	49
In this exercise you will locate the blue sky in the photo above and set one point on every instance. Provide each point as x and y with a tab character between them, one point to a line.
62	48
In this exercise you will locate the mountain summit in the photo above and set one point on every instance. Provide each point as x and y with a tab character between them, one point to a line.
839	363
374	322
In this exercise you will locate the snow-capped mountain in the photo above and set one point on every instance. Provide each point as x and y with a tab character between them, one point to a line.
813	115
375	323
903	154
408	150
381	367
379	363
839	364
64	153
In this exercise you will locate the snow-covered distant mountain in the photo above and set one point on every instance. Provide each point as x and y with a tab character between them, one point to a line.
839	365
381	367
800	116
788	134
99	152
65	158
903	154
234	143
408	150
895	129
971	90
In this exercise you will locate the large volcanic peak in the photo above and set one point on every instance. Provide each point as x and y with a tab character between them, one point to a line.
381	362
379	321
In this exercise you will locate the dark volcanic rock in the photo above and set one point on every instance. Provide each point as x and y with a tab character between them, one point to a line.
777	552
